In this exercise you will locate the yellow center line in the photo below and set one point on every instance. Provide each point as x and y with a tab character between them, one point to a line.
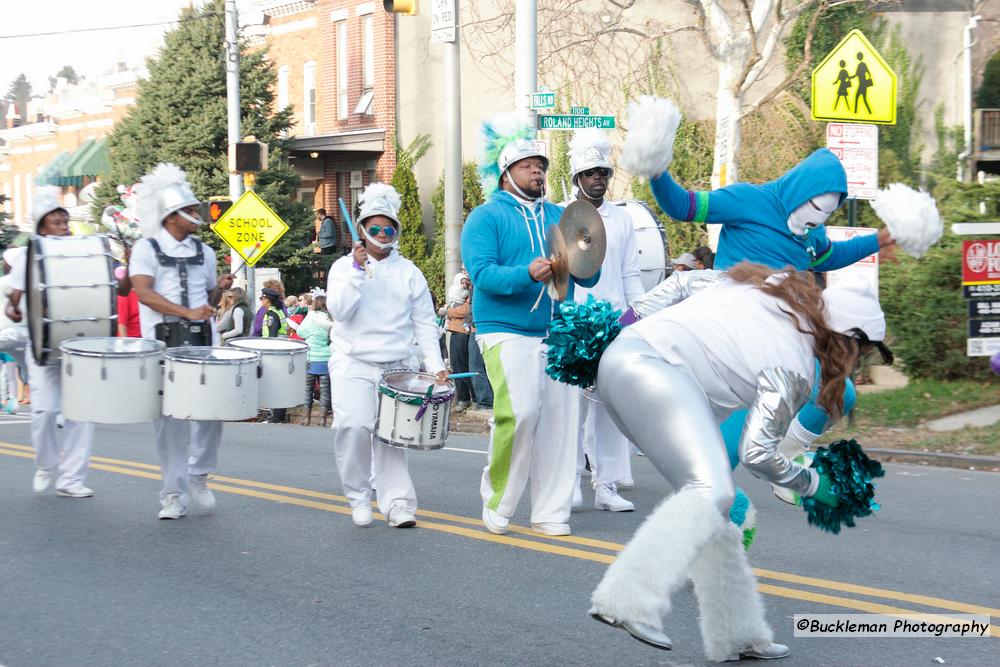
224	484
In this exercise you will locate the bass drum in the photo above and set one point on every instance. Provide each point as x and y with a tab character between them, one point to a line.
651	241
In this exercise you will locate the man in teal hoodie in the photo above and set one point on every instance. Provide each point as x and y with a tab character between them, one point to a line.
505	249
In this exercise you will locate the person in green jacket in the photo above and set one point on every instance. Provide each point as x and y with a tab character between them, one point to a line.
315	330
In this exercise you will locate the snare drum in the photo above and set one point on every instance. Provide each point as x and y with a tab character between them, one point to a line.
112	380
409	417
210	383
71	291
283	364
651	241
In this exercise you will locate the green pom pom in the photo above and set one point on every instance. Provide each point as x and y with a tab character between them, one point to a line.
850	472
578	335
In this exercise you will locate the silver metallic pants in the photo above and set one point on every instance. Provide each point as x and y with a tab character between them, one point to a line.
665	413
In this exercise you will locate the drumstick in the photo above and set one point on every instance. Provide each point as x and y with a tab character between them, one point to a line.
350	227
459	376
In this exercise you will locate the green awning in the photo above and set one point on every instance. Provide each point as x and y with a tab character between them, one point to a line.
71	170
93	163
53	170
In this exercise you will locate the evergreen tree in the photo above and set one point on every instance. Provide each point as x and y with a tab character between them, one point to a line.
19	94
413	242
988	95
472	196
180	117
67	72
7	232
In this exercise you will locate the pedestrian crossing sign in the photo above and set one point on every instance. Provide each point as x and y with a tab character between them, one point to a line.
250	227
854	84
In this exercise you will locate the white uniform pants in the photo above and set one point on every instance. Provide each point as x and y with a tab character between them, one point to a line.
608	449
73	457
185	448
361	459
533	435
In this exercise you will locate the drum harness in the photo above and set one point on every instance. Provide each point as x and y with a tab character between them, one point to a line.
182	332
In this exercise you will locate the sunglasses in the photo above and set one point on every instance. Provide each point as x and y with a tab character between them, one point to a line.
594	171
389	230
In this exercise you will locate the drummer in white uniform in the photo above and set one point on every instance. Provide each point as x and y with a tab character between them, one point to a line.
173	273
70	460
381	304
620	284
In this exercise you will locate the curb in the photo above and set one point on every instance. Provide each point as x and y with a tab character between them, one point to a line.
941	458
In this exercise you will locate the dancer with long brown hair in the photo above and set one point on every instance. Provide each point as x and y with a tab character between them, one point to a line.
667	381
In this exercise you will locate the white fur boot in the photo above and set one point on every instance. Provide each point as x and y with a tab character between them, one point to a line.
732	613
637	586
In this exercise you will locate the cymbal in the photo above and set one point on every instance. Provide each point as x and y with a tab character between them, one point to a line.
560	262
586	241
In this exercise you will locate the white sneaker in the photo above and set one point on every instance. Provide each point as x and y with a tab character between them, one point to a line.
75	491
42	481
554	529
198	485
606	498
772	651
361	515
172	508
401	517
495	522
577	495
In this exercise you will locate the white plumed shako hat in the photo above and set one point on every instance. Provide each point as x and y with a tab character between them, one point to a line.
852	303
588	149
45	200
380	199
161	192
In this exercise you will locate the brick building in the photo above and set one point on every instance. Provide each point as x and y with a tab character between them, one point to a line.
336	65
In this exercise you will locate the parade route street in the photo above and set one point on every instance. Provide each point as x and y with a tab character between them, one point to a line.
279	575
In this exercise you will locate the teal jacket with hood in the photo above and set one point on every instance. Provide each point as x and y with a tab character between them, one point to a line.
754	218
499	240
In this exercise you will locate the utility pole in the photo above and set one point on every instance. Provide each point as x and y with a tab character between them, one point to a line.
232	50
453	181
525	56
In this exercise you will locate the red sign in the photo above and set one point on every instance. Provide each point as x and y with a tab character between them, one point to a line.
980	262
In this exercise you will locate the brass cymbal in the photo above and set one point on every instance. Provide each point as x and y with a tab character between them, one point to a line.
560	262
586	241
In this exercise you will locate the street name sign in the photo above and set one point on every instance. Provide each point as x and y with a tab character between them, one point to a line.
570	122
579	111
854	84
543	99
250	227
856	145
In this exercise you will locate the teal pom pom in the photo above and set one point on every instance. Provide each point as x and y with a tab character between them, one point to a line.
851	473
744	516
496	133
578	335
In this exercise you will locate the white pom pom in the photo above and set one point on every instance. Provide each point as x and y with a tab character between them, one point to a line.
911	216
652	127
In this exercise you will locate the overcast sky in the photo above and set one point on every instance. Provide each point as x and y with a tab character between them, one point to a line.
90	53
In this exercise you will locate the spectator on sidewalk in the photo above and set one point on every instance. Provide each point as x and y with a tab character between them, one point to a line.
315	330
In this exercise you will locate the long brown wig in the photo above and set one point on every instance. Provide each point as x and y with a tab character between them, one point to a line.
836	352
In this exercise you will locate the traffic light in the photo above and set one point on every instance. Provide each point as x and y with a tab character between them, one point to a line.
247	156
408	7
215	208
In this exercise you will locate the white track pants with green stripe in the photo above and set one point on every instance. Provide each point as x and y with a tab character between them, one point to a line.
534	433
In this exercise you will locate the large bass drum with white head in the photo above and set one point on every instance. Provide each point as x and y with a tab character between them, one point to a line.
71	292
651	240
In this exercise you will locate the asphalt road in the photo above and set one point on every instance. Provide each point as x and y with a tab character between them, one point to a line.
279	575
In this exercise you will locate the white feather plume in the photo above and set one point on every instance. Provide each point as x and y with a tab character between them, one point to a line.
383	191
586	141
911	216
150	207
44	201
652	127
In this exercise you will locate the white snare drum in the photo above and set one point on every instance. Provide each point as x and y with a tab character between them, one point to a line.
112	380
407	415
283	363
71	291
651	241
210	383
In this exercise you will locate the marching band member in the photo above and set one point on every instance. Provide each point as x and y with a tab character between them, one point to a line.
377	320
590	165
668	384
504	247
71	460
173	273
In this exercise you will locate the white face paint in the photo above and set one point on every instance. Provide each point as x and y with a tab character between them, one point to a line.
813	213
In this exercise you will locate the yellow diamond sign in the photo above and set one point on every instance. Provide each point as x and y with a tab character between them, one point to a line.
853	84
250	227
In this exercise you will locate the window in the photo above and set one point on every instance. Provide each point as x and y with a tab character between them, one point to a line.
368	32
282	87
342	70
309	97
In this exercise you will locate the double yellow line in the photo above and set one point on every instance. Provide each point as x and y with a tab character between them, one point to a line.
572	546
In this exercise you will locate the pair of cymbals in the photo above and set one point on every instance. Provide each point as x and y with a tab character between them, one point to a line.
577	245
